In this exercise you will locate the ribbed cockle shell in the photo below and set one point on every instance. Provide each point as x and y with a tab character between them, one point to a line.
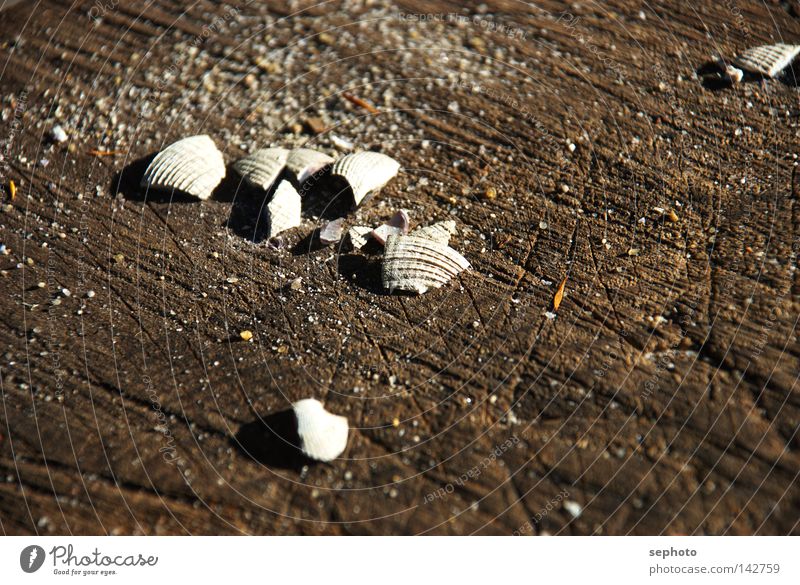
440	231
305	162
365	172
192	165
263	167
416	264
768	60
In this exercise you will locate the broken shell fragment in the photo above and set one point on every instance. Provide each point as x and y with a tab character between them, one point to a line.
734	74
357	235
416	264
192	165
401	220
305	162
441	231
323	435
283	211
768	60
382	233
365	173
332	232
263	167
398	225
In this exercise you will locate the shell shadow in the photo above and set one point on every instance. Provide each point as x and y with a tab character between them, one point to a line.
326	197
791	75
127	182
272	441
247	217
363	272
712	76
308	244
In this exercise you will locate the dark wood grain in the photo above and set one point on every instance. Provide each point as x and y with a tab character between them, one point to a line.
663	398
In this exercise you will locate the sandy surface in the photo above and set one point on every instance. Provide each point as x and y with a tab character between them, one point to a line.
662	398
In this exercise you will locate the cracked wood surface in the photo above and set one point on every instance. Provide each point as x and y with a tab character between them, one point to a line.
663	397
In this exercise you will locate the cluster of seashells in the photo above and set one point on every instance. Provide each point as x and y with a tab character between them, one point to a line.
413	261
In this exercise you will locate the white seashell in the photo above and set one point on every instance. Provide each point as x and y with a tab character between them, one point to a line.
358	236
440	231
323	435
283	211
332	232
365	172
416	264
768	60
192	165
304	163
263	167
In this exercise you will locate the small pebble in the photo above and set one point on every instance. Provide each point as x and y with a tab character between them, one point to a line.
58	134
574	508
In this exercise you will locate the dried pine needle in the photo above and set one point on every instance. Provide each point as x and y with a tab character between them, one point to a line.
360	103
104	152
559	295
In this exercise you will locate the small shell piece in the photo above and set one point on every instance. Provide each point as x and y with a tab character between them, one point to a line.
283	211
416	264
382	233
358	236
440	231
365	172
192	165
323	435
734	74
305	162
768	60
398	225
263	167
332	232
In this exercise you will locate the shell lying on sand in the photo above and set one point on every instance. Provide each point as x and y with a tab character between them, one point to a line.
192	165
768	60
357	235
365	172
283	211
440	231
416	264
323	435
305	162
331	232
263	167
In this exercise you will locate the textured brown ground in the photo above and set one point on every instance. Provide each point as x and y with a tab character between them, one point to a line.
663	398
